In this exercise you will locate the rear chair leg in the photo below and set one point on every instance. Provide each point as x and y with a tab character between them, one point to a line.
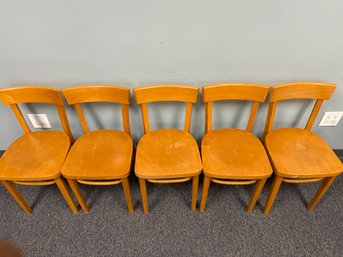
205	187
66	194
257	190
195	185
127	193
142	186
272	194
320	192
77	192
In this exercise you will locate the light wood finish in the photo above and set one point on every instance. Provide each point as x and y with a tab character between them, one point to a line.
160	156
299	181
77	192
298	90
34	94
36	158
237	91
205	188
101	157
163	93
299	155
320	192
11	188
302	90
234	182
127	193
195	185
142	186
233	156
272	194
168	181
66	194
167	154
257	190
35	183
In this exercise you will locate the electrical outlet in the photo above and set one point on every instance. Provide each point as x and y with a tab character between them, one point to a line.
330	119
39	120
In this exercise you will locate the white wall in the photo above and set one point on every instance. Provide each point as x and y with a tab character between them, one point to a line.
132	43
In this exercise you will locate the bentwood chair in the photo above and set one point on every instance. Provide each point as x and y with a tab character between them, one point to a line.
36	158
234	156
101	157
167	155
299	155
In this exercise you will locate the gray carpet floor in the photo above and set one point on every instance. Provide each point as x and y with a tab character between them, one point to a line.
171	228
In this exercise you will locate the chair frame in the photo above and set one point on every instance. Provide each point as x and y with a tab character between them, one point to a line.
233	91
36	94
167	93
298	90
78	95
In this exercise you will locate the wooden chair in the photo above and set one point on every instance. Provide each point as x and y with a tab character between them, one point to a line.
299	155
233	156
36	158
167	155
101	157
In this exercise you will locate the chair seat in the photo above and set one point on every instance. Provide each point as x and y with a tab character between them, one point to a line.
99	155
35	156
299	153
167	153
234	154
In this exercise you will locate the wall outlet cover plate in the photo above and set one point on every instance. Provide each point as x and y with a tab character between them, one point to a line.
330	119
39	120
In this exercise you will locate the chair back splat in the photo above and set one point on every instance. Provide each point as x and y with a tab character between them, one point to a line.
233	91
99	93
35	94
166	93
298	90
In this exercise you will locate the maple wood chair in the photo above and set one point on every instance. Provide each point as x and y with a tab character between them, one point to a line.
167	155
299	155
233	156
101	157
36	158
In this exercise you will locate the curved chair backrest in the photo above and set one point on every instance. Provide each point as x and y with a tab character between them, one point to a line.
99	93
34	94
298	90
166	93
233	91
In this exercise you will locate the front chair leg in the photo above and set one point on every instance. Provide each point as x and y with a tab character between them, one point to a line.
142	186
320	192
195	185
257	190
205	187
66	194
77	192
272	194
12	189
127	193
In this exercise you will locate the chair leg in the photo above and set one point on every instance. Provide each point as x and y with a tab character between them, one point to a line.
142	186
77	192
127	193
257	190
272	194
12	189
66	194
320	192
195	185
205	187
